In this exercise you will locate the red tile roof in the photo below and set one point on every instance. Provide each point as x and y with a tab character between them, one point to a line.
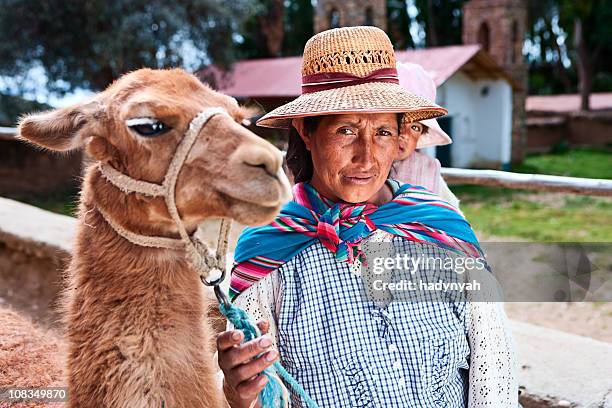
440	62
280	77
567	102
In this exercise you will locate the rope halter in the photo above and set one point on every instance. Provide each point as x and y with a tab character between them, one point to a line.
199	255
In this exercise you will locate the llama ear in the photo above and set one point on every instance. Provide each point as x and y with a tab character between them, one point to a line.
61	129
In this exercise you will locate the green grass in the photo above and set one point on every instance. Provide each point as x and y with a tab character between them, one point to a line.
65	208
61	203
544	216
590	163
572	219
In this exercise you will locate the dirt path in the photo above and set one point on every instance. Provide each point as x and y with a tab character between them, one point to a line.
590	319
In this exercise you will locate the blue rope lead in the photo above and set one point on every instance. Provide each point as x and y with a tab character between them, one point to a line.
272	395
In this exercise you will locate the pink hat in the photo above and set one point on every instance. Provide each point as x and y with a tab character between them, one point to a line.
414	79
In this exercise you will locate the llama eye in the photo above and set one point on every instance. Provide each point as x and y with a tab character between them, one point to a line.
147	127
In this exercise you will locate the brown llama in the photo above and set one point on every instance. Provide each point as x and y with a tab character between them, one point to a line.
135	312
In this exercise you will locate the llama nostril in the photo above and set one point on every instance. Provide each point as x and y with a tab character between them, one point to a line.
262	158
263	167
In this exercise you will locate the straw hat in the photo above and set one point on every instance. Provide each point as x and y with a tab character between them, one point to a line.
351	70
416	80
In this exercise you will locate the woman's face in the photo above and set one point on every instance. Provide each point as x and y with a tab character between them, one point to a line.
352	154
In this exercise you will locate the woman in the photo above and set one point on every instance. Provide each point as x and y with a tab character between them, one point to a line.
301	275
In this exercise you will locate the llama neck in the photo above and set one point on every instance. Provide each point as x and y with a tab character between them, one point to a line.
98	231
127	285
143	309
117	270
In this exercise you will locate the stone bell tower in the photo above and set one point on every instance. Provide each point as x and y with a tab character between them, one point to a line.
346	13
499	26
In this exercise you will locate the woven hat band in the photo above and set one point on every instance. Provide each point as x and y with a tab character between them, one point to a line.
323	81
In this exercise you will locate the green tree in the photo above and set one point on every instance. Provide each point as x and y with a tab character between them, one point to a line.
280	28
588	24
548	55
398	24
575	31
299	23
441	20
89	43
260	33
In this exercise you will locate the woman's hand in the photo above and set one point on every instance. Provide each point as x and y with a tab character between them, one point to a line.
243	380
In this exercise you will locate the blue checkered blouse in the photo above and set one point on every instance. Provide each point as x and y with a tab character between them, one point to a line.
348	351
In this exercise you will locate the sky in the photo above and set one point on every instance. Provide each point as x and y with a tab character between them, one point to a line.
33	84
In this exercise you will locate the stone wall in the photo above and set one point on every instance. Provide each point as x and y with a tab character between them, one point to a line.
26	170
35	247
545	133
559	369
578	129
350	13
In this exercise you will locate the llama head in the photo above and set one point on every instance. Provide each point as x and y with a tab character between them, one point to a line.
135	126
